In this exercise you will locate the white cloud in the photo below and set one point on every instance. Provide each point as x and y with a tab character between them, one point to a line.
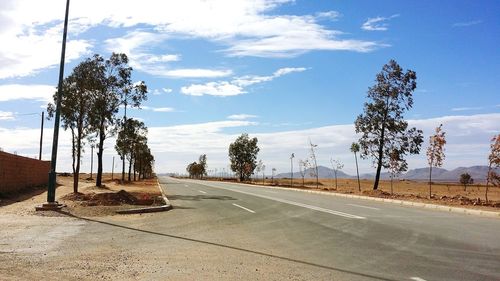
220	89
468	139
236	86
6	115
41	93
331	15
158	109
192	73
466	108
467	23
241	116
167	90
377	23
245	27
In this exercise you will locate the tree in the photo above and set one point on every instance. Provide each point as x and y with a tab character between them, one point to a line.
493	176
382	124
114	79
395	166
336	165
198	170
303	166
355	149
243	154
435	152
314	172
76	103
466	179
130	141
258	168
263	169
273	171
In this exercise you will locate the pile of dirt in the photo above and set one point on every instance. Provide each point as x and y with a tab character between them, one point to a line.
111	198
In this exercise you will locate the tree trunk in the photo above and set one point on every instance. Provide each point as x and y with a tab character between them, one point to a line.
130	168
357	171
380	155
98	181
487	183
392	192
76	172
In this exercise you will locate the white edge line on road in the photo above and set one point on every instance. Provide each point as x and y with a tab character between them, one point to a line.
417	279
342	214
202	191
246	209
361	206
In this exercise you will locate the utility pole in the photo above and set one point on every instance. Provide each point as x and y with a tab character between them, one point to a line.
51	190
41	137
291	169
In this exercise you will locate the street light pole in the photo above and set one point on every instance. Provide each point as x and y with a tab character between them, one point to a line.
51	192
41	137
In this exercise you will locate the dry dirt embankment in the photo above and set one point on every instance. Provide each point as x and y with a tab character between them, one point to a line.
449	194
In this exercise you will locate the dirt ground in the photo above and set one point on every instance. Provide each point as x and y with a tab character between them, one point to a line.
91	201
450	194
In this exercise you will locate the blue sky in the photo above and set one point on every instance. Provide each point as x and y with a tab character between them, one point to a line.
284	71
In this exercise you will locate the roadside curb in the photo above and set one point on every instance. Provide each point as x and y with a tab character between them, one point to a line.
161	208
393	201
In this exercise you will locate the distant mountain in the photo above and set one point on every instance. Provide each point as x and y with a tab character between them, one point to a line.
478	173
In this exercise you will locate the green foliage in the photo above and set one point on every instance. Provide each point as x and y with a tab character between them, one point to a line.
198	170
466	179
243	156
382	125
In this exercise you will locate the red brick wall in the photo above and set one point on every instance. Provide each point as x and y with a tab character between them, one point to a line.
18	172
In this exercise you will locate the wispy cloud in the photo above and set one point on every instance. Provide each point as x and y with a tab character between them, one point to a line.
12	92
377	23
236	86
330	15
158	109
241	116
466	23
6	115
467	108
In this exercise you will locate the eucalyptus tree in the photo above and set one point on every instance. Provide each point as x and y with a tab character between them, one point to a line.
382	123
493	176
314	171
76	104
129	140
243	156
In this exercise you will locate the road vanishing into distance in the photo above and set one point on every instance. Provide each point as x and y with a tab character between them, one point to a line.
322	237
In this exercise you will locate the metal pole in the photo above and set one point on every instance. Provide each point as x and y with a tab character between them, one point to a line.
41	137
51	194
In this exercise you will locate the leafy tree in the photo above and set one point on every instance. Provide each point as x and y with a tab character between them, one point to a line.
243	154
355	149
303	166
435	152
76	103
198	170
382	124
312	156
130	141
466	179
336	166
493	164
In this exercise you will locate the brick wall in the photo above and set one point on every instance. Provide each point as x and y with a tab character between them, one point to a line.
18	172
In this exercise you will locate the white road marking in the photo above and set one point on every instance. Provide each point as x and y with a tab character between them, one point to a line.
202	191
417	279
361	206
337	213
246	209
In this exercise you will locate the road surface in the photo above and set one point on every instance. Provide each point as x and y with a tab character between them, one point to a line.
348	238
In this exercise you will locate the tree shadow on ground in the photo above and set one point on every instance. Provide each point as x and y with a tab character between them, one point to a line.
360	274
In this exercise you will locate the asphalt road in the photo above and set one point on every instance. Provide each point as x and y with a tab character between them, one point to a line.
327	237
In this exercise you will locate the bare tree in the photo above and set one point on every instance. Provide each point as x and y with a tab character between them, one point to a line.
336	165
494	163
435	152
395	167
303	166
314	172
258	168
